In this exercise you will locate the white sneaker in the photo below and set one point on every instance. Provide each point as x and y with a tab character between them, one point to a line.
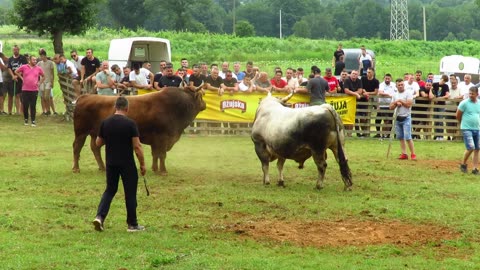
98	224
34	124
137	228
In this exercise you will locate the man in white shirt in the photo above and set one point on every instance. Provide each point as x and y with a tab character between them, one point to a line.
465	85
386	91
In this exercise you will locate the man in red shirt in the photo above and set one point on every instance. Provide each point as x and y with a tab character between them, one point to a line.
333	84
278	84
418	78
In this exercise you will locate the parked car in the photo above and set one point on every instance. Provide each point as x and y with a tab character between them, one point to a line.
352	56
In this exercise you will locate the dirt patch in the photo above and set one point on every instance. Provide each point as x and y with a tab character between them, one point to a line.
344	233
447	165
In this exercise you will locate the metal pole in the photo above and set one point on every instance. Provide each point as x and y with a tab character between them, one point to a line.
233	11
280	24
424	25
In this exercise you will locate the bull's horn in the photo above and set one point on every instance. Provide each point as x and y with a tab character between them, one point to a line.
285	99
269	94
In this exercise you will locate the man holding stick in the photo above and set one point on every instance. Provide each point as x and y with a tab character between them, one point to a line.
121	138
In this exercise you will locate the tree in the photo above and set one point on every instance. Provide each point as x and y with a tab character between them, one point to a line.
301	29
54	18
128	13
450	37
244	29
260	16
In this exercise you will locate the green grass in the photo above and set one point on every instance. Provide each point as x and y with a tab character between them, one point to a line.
214	182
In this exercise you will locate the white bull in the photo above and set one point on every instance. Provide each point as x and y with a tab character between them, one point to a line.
282	133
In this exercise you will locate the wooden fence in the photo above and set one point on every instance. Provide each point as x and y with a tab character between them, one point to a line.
429	120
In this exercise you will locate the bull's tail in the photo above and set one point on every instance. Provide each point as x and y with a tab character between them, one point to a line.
342	158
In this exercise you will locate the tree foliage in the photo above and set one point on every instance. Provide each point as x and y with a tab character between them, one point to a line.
127	13
330	19
244	29
54	18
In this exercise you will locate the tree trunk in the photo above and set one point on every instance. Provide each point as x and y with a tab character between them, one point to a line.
58	42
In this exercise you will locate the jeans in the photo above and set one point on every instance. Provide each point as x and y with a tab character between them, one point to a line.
471	138
403	129
129	176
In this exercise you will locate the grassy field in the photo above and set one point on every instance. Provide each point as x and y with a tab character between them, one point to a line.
212	211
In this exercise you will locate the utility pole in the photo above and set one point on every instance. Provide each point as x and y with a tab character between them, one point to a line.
280	24
233	13
399	29
424	25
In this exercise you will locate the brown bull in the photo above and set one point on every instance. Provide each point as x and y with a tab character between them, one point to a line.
161	118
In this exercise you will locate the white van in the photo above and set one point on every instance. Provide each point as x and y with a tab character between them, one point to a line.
125	51
460	65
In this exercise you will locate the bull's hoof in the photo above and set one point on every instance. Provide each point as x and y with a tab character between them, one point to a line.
102	169
319	187
164	173
76	170
266	183
281	183
347	188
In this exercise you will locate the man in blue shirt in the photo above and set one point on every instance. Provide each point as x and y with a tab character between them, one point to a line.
468	114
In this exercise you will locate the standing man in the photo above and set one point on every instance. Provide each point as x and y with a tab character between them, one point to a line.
90	68
169	79
196	79
236	70
30	75
333	84
15	62
353	86
3	82
45	89
184	65
317	87
386	91
337	54
468	114
105	80
466	85
370	87
120	136
77	60
440	92
402	103
365	61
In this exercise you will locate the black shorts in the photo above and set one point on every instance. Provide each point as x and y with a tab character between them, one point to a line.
15	88
3	90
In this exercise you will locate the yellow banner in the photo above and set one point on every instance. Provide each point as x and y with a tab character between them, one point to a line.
241	107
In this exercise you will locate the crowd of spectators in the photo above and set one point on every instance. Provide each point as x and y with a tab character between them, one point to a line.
89	75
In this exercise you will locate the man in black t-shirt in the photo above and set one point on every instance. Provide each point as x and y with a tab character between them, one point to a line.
90	67
169	78
14	62
121	138
197	78
337	54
